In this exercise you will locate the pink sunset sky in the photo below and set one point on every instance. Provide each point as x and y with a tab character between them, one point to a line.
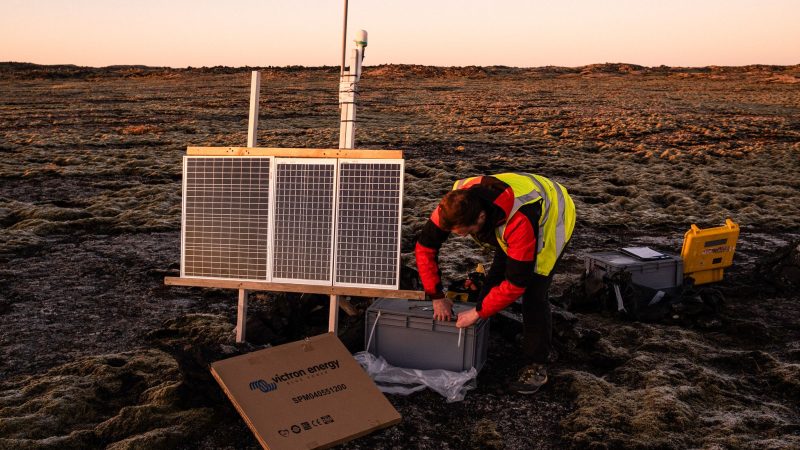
180	33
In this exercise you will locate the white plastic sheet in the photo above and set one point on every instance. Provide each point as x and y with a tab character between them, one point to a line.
397	380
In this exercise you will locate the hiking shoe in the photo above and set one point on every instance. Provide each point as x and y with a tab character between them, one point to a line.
531	378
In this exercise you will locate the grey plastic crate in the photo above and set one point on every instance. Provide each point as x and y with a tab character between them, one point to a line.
664	273
407	336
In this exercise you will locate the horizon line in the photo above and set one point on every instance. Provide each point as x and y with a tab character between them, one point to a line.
145	66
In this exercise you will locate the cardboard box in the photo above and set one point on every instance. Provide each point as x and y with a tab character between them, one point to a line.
407	336
305	394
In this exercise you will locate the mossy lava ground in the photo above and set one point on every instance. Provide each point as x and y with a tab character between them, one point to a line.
95	352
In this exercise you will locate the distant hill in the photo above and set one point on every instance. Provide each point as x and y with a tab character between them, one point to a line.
17	70
20	70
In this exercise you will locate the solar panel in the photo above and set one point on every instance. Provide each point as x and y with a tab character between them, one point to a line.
368	223
225	217
303	220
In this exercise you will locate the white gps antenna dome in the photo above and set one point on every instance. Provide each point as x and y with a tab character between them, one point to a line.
361	38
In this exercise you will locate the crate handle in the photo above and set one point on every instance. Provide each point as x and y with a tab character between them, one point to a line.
620	304
372	333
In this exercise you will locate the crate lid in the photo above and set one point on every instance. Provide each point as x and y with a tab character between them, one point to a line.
643	253
421	309
621	260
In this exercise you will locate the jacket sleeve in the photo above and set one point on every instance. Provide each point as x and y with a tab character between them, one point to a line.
429	242
519	270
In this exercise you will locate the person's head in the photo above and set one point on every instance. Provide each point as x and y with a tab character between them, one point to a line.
461	211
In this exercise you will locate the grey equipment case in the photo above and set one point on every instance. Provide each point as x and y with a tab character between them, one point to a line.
407	336
666	273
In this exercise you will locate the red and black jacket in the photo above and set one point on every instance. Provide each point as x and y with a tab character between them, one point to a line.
521	234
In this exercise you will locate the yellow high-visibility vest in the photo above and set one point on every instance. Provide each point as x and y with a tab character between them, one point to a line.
556	222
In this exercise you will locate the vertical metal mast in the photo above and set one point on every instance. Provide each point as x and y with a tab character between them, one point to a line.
344	38
347	105
348	81
333	316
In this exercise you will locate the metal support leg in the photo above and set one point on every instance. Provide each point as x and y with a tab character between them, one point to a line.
241	316
333	320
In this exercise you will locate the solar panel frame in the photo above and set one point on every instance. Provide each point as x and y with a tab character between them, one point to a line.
184	211
184	182
248	219
337	228
274	217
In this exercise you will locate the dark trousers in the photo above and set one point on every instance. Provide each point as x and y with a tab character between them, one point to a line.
537	318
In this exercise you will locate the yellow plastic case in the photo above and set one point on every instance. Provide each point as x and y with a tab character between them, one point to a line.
706	253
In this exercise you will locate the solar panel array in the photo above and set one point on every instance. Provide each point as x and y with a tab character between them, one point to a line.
301	220
226	217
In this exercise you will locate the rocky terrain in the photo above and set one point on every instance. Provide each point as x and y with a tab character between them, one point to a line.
95	352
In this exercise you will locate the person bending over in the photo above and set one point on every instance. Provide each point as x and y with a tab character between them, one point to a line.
528	219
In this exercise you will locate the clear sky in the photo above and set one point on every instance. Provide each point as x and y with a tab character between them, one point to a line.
522	33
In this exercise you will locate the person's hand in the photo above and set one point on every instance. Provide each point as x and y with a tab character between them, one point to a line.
442	309
467	318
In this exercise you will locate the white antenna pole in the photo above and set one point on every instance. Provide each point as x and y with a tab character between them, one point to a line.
255	94
347	103
348	91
